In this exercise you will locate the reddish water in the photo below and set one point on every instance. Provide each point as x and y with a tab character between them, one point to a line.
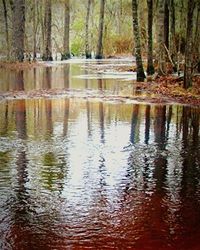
78	174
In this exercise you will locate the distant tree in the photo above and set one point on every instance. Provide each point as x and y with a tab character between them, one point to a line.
189	49
6	27
87	47
47	54
136	31
35	3
160	38
18	30
66	55
150	67
99	52
172	32
166	23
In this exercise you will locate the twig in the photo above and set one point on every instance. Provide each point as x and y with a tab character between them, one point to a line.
169	56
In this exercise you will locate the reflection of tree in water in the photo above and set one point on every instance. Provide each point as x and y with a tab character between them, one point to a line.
135	124
53	172
47	82
147	124
66	116
101	84
30	229
4	120
19	80
190	152
101	112
66	71
160	160
89	118
20	207
47	78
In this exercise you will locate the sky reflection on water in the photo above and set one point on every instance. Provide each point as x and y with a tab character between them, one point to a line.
79	174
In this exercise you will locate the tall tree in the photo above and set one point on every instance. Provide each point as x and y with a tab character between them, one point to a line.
197	38
150	67
34	28
188	51
172	25
99	52
6	28
160	38
166	24
136	31
87	47
18	30
47	55
172	31
66	55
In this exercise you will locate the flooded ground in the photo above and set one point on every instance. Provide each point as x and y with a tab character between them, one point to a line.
79	173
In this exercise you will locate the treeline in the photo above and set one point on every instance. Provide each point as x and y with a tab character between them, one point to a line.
166	32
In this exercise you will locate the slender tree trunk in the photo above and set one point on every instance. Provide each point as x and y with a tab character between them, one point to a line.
166	24
120	21
87	47
188	52
47	56
160	38
34	29
66	55
172	26
172	31
140	70
150	67
99	52
6	28
197	38
18	29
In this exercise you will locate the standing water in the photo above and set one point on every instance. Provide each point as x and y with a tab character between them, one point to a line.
83	173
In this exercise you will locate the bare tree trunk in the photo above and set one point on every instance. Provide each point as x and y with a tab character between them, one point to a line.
66	55
150	67
99	52
172	42
166	24
6	28
197	38
172	26
160	38
47	56
120	21
18	29
87	47
136	31
34	29
188	52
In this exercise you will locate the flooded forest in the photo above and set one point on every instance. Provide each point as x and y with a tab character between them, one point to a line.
99	124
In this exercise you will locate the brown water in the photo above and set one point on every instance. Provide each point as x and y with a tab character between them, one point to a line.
80	174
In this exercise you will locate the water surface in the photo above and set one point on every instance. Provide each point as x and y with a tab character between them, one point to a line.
82	174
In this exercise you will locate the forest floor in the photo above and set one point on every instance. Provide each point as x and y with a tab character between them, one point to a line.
165	89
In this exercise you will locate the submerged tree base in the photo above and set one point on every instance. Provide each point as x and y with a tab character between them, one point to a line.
99	57
150	70
140	76
47	58
88	56
65	56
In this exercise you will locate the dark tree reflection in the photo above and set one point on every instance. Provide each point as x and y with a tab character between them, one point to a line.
147	123
19	80
134	124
